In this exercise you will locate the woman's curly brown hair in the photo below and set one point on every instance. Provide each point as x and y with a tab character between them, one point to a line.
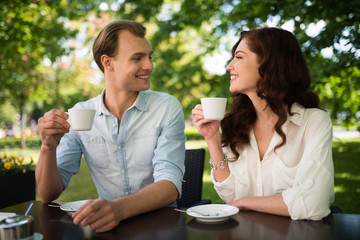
284	79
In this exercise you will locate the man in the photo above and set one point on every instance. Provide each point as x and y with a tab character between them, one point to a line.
136	148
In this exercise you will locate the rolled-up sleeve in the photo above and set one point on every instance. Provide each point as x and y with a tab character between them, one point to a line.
236	185
226	188
169	158
313	189
68	157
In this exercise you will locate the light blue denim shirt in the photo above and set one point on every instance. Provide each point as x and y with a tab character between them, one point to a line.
148	146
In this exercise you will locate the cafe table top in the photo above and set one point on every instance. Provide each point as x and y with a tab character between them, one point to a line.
168	224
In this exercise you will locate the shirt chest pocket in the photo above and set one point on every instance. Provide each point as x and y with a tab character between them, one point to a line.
144	143
283	174
95	151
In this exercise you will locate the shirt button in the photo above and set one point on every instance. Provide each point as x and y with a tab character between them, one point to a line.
127	193
123	171
91	139
147	133
119	147
114	125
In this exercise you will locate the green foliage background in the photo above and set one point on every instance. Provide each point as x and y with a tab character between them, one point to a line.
46	59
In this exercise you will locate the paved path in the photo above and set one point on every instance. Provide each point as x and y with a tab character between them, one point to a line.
342	134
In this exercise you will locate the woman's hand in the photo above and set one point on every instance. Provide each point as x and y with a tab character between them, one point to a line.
207	128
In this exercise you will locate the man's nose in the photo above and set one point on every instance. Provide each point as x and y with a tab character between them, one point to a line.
148	65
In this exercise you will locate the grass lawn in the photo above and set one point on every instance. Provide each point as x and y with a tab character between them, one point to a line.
346	155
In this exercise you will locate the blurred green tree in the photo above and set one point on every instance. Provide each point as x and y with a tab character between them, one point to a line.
183	34
335	75
29	31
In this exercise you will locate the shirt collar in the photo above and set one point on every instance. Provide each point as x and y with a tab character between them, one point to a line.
140	102
297	111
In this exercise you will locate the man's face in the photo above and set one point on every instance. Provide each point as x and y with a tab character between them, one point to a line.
132	65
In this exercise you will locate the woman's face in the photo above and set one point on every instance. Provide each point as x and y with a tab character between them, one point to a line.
243	69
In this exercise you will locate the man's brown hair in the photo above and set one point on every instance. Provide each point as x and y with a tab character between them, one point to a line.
107	40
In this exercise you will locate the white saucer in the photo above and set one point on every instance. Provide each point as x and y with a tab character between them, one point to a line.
37	236
222	211
72	206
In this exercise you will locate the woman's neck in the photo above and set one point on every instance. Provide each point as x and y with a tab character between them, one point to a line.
262	109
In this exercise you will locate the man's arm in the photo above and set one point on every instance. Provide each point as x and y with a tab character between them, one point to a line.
52	128
103	215
48	179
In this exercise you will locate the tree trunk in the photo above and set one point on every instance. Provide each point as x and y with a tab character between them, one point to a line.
22	126
57	90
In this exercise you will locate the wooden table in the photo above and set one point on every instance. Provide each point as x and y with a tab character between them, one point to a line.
167	224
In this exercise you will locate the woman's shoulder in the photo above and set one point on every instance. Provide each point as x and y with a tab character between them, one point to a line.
317	114
310	114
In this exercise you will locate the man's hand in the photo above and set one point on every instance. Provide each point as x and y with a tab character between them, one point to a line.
100	214
52	127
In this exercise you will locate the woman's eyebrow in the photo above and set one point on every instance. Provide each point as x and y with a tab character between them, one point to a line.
239	51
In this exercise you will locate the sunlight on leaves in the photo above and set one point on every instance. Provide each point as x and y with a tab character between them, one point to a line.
339	189
347	176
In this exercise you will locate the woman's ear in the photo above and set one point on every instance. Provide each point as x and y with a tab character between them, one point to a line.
106	61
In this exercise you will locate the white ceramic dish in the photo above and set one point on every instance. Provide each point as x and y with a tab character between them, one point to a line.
217	212
72	207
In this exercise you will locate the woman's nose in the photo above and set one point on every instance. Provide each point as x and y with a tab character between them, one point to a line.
229	67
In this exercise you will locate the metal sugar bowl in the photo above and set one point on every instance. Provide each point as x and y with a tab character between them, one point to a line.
17	227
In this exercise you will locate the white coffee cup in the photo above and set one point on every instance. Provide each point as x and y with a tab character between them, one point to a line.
213	108
81	119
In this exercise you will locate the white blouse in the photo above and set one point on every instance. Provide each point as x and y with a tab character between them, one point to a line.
301	170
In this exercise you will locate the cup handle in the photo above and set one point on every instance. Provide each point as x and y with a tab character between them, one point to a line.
68	120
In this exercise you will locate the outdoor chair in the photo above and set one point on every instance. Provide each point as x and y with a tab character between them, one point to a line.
336	209
192	184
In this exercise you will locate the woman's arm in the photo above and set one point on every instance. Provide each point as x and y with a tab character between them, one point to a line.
269	204
210	130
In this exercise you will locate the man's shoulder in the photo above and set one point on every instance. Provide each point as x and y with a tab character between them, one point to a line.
90	103
158	101
155	96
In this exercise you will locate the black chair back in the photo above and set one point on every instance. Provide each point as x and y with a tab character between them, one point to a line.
192	185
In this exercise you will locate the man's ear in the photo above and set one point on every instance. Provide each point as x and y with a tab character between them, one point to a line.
106	61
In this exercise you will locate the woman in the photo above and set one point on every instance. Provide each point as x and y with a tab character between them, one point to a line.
274	154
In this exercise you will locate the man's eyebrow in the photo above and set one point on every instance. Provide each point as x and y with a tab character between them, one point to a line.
140	54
